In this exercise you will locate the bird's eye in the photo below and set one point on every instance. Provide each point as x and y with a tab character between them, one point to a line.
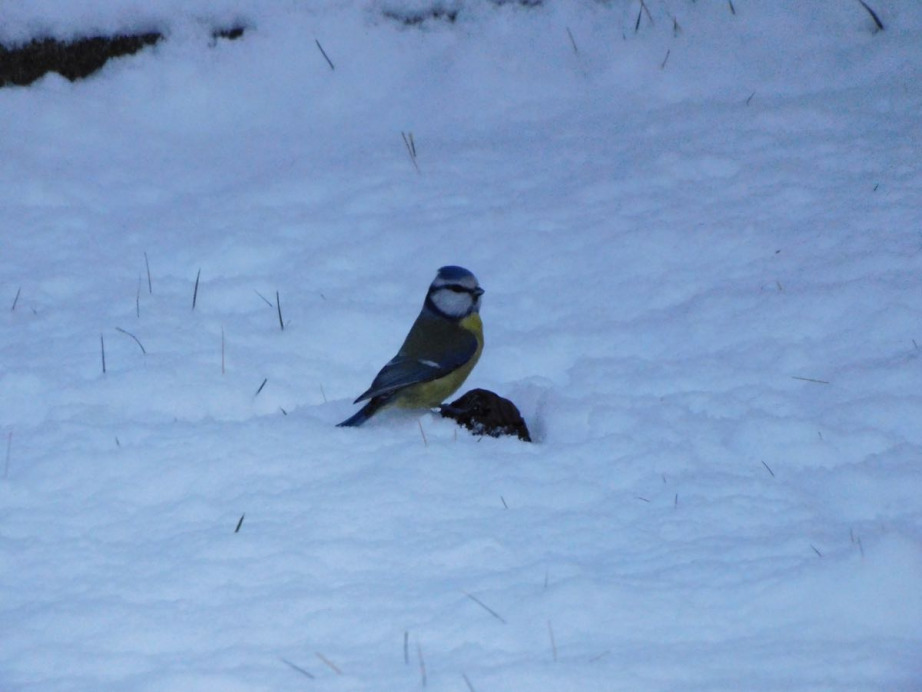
458	289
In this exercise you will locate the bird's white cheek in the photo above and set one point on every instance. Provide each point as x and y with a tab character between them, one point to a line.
452	303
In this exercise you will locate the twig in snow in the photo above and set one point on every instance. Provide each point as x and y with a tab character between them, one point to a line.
642	499
485	607
422	663
856	540
675	502
768	468
647	11
411	148
547	576
137	299
278	305
411	143
329	663
809	379
643	9
136	340
16	299
816	550
550	632
324	54
9	446
663	64
323	394
572	41
406	647
732	8
195	290
749	100
639	15
102	349
880	24
261	387
297	668
676	29
266	300
240	523
422	432
150	287
468	682
505	506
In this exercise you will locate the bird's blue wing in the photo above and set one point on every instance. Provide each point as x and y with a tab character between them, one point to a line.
403	370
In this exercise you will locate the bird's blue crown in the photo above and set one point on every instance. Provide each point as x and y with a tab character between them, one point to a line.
453	273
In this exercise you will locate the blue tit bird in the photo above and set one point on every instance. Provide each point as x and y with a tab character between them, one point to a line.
440	351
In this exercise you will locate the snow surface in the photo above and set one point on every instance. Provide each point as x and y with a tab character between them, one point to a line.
702	249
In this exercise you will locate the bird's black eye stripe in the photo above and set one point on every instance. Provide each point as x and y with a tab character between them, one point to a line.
458	288
454	288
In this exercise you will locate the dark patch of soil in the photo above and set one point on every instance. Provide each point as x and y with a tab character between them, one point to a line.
486	413
22	65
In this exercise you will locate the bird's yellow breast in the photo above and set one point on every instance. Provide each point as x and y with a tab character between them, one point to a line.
431	394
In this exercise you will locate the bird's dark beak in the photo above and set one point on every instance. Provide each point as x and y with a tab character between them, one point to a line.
478	292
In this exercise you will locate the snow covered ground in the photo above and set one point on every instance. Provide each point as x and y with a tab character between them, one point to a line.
701	244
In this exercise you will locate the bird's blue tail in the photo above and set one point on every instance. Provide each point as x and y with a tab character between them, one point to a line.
364	413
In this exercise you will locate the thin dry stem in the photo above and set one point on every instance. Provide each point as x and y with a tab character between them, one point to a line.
324	54
150	286
332	666
572	41
136	340
195	290
485	607
411	148
278	305
877	22
301	670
